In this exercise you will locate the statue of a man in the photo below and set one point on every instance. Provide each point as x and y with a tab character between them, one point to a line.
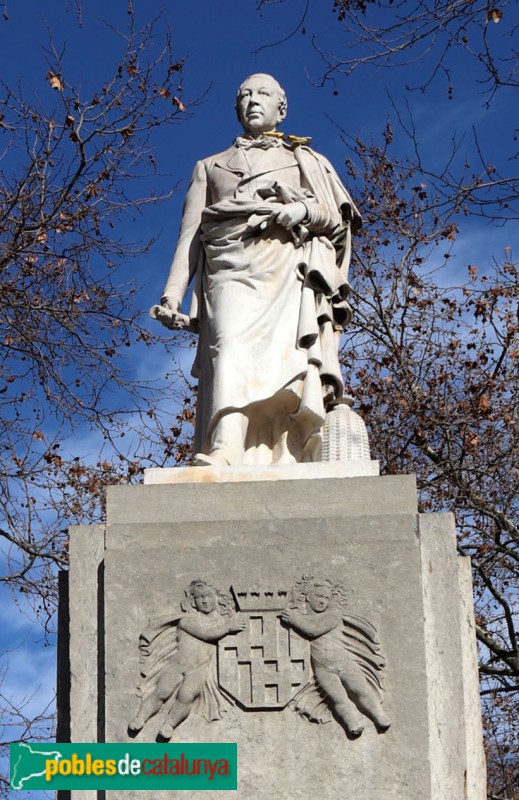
265	239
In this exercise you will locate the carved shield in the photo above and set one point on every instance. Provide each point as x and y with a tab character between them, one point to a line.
265	665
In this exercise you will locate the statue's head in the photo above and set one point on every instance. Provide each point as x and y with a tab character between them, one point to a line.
319	595
316	593
205	598
261	104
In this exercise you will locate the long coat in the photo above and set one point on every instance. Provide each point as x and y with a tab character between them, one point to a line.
269	302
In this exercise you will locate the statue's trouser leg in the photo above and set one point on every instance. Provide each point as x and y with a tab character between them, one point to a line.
343	707
363	695
228	438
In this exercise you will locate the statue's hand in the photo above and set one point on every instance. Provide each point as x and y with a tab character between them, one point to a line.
172	318
237	625
291	214
288	616
173	305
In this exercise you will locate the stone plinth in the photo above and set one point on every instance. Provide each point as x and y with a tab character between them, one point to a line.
270	472
400	572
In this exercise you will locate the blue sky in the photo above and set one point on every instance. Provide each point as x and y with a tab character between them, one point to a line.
221	43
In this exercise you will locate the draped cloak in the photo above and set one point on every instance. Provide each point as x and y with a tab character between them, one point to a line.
158	646
354	640
269	302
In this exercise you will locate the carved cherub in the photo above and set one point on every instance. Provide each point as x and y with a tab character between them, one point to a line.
178	659
345	657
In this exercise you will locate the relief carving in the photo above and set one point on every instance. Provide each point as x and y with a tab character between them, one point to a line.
345	655
300	649
178	659
268	663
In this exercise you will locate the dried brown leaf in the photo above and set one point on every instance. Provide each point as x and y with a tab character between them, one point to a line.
55	81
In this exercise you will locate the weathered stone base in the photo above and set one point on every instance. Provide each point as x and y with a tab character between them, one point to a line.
401	572
270	472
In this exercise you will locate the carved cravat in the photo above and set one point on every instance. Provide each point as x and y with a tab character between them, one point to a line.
271	139
264	143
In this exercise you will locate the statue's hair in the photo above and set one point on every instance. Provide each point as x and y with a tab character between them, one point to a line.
283	104
225	605
299	592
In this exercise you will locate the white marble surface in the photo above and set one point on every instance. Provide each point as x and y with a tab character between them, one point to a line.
265	240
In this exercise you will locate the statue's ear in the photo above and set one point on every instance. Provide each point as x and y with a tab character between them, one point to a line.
282	107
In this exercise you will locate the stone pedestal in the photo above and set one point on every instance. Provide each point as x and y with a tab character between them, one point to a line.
259	537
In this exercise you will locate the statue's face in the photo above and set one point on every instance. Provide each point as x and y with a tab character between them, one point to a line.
205	600
319	598
258	104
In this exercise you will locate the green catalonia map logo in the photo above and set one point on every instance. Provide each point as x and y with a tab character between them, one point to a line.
123	766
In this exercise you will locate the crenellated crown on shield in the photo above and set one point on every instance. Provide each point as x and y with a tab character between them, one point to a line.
264	666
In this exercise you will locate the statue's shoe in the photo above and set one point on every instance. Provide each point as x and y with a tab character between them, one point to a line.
214	459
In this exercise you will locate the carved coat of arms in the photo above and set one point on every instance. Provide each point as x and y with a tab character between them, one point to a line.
262	650
267	664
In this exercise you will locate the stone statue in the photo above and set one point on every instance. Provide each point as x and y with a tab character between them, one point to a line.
178	658
345	657
265	240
